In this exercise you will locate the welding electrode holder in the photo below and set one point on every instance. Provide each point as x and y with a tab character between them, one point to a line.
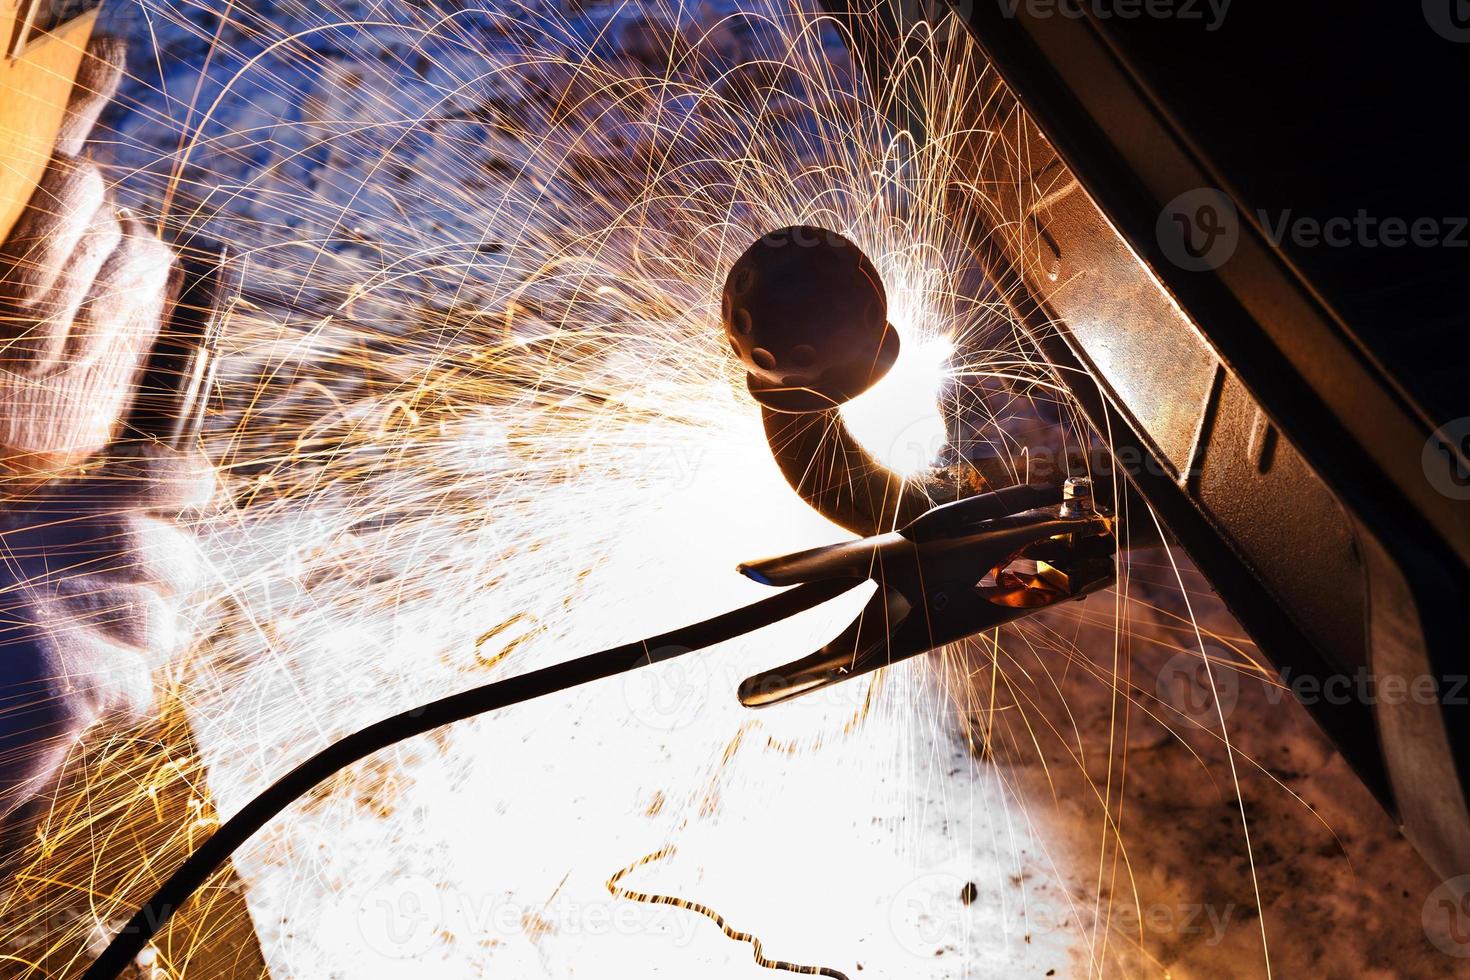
805	311
172	398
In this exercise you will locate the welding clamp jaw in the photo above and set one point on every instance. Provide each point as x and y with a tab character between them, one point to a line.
958	570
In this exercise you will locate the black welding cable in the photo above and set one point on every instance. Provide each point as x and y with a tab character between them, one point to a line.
234	832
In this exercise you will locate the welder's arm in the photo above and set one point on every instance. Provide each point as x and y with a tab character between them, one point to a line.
91	566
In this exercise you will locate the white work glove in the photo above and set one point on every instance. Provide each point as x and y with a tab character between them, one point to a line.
93	567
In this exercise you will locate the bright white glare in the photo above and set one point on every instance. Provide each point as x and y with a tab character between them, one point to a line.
898	420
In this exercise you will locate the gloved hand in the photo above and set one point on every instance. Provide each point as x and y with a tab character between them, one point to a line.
92	568
82	292
92	572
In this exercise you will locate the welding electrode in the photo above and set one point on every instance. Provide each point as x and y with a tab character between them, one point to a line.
172	397
806	313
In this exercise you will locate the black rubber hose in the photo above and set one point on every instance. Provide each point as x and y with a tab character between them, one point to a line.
193	873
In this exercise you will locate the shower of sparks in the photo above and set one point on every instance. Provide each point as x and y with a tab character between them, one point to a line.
479	417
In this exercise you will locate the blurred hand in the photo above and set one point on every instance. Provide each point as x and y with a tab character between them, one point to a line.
92	574
83	288
93	568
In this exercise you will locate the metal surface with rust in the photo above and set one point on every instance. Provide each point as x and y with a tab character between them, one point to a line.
1308	444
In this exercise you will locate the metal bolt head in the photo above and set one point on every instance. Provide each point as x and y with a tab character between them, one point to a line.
1077	497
